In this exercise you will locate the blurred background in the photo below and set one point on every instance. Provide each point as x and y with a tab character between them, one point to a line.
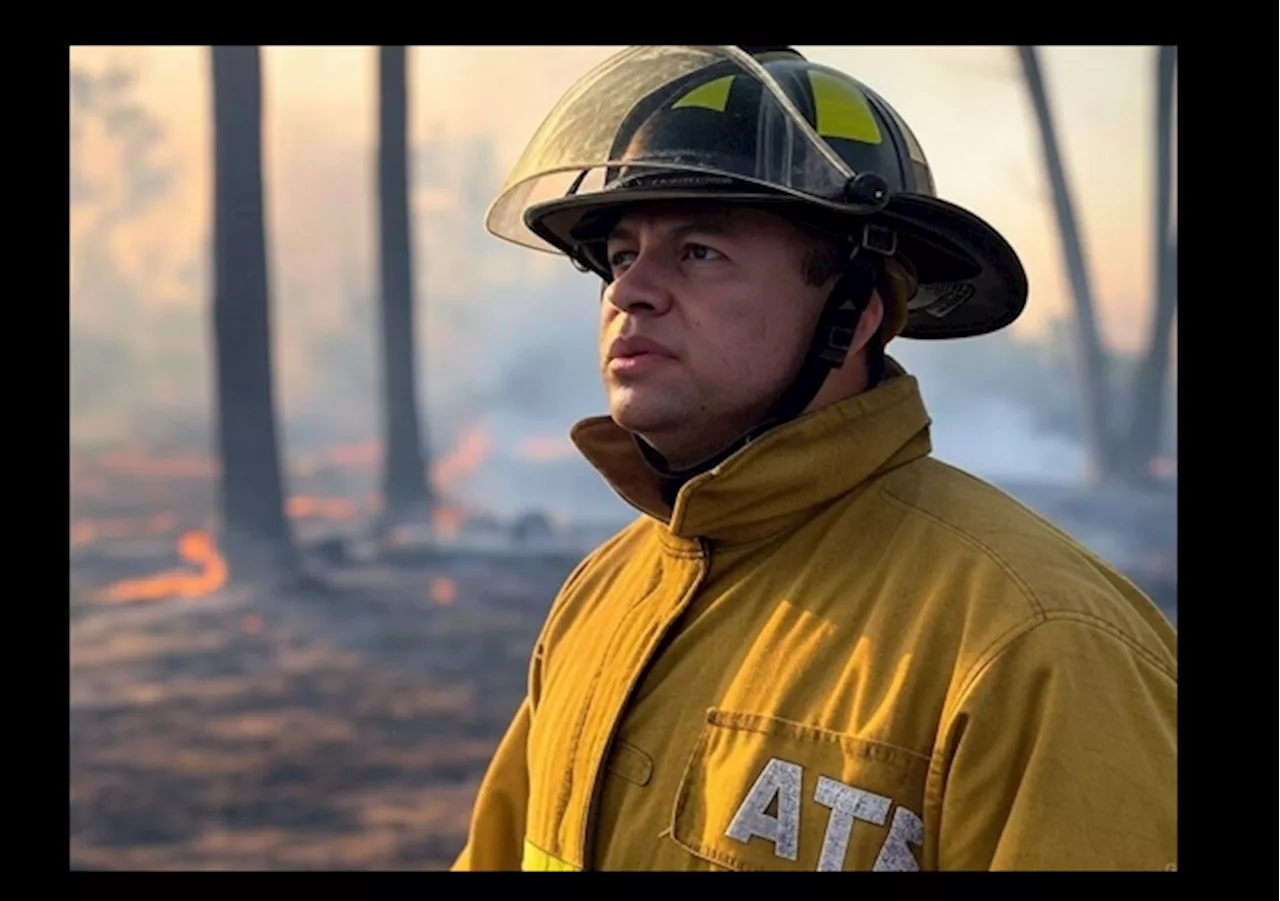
321	487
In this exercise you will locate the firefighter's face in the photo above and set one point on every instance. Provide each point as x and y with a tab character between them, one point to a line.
705	322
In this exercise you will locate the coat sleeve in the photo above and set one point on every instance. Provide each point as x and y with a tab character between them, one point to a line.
1061	754
495	839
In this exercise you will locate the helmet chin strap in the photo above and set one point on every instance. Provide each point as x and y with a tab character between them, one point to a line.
830	345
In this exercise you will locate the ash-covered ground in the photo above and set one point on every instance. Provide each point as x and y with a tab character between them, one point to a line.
335	728
345	723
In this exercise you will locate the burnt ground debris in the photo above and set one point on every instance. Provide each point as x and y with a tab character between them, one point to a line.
346	723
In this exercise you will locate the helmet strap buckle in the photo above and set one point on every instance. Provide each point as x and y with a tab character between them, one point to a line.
878	239
837	345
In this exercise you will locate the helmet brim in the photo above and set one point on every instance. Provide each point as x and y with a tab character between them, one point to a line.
988	292
971	281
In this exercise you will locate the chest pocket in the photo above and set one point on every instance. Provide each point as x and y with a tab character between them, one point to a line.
762	793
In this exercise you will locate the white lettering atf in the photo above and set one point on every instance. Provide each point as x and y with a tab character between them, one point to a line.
847	804
780	778
894	853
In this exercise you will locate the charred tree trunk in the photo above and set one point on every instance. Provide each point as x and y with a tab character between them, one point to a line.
1092	367
1150	380
256	537
404	486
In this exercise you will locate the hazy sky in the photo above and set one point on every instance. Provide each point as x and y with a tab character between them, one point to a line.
507	335
968	106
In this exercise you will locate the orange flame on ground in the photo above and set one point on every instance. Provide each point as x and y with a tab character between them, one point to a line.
444	591
365	454
87	531
541	449
299	507
362	455
135	462
470	451
447	520
195	547
466	456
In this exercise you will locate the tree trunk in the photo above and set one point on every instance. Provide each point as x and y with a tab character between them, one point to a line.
256	538
1092	369
404	486
1150	380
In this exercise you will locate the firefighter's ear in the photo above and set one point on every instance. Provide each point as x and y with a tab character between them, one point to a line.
869	322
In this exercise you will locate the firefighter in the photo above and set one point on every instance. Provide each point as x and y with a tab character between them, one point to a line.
816	647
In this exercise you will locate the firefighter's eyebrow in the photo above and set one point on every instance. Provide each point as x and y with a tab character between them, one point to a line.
703	224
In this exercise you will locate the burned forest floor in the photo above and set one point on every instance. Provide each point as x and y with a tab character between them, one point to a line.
339	724
336	727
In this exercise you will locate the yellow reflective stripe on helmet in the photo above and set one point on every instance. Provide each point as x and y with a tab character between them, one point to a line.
538	861
713	95
842	110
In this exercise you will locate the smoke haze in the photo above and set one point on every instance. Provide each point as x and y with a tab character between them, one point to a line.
506	337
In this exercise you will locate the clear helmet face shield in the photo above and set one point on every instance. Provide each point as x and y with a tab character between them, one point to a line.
660	117
714	122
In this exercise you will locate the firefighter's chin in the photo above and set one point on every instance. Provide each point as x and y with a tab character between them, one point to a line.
647	408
